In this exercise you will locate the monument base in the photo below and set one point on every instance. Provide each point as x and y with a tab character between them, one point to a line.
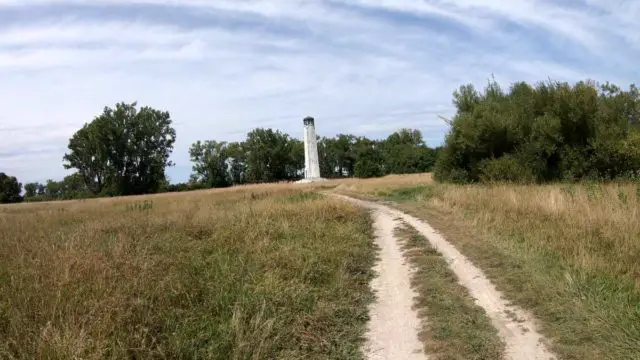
307	181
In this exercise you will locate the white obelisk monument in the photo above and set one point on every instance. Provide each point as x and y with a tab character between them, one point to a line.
311	163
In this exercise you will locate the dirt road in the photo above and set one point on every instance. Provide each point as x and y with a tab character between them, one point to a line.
393	328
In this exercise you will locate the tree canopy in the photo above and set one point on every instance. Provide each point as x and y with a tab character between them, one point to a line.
548	132
10	189
267	156
123	151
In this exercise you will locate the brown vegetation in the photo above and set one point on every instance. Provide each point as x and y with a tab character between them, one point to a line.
249	273
567	252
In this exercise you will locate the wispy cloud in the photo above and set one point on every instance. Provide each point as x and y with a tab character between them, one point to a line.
223	67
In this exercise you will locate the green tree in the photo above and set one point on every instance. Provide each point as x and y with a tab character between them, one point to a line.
272	156
123	151
237	167
53	189
327	157
211	163
405	152
10	189
547	132
369	157
30	190
345	154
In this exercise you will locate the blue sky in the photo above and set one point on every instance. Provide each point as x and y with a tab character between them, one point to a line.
223	67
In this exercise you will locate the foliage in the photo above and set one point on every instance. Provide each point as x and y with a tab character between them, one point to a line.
405	152
210	163
269	156
547	132
369	161
10	189
123	151
272	156
504	169
71	187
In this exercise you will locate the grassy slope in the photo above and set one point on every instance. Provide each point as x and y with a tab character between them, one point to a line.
568	253
265	272
453	326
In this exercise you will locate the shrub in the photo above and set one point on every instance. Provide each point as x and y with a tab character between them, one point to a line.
505	169
547	132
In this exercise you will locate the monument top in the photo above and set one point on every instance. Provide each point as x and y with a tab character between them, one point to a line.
308	120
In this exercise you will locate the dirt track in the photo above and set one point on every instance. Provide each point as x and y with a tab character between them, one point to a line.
393	328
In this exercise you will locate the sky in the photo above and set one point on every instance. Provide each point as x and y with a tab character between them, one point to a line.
224	67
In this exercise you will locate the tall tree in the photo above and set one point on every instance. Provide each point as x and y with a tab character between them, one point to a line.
30	190
237	163
10	189
210	163
123	151
272	156
370	161
405	153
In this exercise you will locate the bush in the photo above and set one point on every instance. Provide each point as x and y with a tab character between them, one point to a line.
505	169
547	132
10	189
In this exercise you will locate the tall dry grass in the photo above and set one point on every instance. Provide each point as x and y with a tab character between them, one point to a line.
260	272
568	252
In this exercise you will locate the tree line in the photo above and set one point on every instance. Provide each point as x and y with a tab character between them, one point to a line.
268	156
530	133
125	151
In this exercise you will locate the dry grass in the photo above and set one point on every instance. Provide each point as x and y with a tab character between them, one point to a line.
259	272
569	253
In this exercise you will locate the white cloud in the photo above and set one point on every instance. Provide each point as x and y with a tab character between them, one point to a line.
365	66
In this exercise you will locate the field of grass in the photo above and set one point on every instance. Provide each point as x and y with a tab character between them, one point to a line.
275	271
568	253
261	272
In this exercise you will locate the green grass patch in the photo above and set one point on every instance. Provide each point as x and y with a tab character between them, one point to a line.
408	193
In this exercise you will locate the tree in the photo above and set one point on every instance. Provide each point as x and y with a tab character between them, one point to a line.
405	153
42	189
548	132
123	151
369	157
10	189
211	163
272	156
327	157
267	156
30	190
345	154
237	163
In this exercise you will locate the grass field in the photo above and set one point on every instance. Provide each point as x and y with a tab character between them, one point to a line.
261	272
568	253
277	271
